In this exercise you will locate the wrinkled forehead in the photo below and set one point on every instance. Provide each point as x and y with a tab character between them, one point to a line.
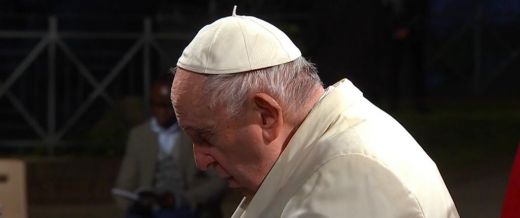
187	88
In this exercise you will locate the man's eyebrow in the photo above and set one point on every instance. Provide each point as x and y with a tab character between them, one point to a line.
201	130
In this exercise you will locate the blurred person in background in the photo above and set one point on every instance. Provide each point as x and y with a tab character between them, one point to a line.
257	112
159	168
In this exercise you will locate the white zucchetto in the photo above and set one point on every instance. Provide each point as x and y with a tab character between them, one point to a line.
237	44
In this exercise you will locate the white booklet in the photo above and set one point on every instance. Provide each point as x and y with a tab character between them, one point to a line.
125	194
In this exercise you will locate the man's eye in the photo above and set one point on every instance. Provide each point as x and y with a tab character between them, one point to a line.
202	141
206	142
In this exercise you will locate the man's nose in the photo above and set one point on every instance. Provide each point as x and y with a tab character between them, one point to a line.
203	159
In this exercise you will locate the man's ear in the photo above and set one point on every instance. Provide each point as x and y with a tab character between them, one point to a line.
270	115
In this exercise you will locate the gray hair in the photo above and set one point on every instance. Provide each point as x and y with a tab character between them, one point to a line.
290	84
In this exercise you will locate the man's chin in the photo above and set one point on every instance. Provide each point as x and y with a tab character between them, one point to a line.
233	184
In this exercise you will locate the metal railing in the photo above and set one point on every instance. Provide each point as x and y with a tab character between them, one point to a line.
50	126
52	41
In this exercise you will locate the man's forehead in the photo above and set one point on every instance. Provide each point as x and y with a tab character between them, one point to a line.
186	84
183	75
187	94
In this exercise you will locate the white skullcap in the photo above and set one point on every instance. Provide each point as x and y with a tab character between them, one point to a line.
237	44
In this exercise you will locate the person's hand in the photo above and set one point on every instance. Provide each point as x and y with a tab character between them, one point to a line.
145	204
166	200
147	198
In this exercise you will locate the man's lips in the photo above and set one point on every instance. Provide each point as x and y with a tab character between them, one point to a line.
221	172
225	176
232	182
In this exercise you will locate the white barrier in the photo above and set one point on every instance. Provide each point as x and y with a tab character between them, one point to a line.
13	202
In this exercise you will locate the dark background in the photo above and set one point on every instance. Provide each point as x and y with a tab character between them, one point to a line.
461	104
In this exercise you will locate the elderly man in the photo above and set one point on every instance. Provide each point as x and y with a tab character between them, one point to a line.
159	161
256	111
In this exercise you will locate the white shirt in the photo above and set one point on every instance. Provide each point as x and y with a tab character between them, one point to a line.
167	137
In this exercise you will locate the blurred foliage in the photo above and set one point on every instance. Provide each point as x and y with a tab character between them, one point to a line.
108	135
